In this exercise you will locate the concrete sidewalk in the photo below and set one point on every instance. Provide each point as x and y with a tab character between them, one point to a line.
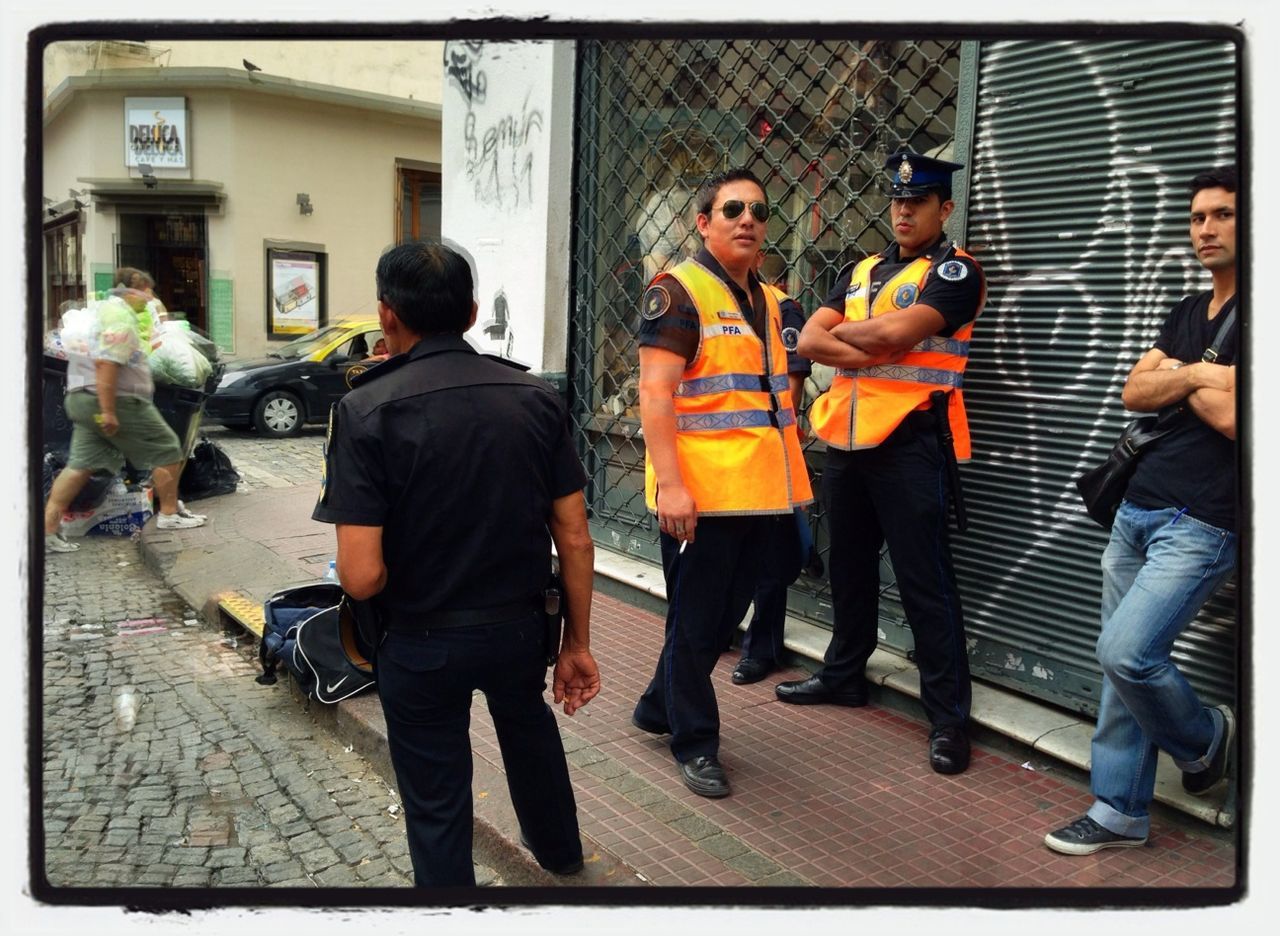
822	795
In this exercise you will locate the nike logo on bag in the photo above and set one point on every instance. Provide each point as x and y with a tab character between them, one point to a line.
335	685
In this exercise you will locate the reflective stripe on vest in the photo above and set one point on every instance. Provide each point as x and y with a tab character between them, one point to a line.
736	441
864	405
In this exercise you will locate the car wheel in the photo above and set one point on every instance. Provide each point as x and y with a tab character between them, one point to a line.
278	414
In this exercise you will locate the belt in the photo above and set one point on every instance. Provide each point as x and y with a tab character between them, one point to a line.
402	622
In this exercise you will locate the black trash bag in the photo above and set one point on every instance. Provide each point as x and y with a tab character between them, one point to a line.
91	495
208	473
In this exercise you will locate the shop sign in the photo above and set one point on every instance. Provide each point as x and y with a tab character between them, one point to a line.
155	132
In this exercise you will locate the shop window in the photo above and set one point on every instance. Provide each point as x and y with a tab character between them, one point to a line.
815	121
65	267
419	206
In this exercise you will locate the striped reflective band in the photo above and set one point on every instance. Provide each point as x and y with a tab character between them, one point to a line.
738	419
723	383
947	345
925	375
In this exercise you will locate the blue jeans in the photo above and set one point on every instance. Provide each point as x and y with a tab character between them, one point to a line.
1158	569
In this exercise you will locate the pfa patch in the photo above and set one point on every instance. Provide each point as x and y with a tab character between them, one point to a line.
953	270
905	295
791	338
656	302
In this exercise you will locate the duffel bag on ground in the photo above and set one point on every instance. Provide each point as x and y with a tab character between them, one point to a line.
312	630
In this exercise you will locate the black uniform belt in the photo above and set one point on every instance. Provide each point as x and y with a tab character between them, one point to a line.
400	622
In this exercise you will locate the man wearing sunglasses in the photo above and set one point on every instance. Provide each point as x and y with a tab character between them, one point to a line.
723	466
897	329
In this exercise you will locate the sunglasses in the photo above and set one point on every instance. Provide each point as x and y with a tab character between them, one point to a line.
734	207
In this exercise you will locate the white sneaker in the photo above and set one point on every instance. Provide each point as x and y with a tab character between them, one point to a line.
56	542
177	521
183	512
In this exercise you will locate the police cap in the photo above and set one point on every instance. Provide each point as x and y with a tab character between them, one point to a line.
914	174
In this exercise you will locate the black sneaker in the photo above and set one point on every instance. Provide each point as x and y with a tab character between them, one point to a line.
1202	781
1084	837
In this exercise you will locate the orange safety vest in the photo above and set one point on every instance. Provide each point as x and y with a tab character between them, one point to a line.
736	439
865	404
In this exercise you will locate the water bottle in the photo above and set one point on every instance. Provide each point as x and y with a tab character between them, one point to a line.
332	574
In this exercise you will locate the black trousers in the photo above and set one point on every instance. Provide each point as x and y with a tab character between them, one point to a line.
708	590
763	640
426	683
896	493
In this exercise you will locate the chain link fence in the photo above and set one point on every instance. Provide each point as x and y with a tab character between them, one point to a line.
815	121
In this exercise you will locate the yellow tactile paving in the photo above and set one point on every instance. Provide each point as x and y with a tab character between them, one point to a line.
244	611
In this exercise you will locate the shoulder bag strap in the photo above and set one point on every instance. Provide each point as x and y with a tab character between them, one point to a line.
1211	352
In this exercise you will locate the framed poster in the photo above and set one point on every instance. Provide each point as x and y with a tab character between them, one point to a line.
295	292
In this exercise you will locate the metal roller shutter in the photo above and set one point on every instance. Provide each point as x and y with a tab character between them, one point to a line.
1077	209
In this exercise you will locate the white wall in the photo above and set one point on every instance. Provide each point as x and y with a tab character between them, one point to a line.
506	143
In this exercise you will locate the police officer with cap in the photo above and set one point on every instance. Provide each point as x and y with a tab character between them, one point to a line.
897	327
449	474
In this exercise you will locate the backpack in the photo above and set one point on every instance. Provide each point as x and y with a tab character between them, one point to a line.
208	473
312	630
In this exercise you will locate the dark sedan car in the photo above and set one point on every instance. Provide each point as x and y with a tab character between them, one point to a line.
295	383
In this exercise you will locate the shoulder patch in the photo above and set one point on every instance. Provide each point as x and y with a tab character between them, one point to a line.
953	270
791	338
655	303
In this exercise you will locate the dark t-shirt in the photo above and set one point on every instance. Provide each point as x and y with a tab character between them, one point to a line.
955	297
458	458
1194	466
668	318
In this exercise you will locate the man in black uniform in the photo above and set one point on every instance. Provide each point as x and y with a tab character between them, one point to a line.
762	643
1172	544
896	326
449	474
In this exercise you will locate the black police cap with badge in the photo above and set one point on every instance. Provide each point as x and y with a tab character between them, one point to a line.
916	174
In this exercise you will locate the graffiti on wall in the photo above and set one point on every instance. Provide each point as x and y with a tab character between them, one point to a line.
498	142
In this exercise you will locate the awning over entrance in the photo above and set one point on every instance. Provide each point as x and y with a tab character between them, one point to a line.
171	194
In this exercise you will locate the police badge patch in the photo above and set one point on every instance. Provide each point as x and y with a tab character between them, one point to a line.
905	295
791	338
953	270
656	301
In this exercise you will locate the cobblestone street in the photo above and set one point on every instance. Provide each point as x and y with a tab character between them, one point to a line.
271	463
218	780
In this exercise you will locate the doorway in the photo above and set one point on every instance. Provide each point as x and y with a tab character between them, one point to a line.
172	247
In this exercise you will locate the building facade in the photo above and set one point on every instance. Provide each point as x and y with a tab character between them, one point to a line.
256	181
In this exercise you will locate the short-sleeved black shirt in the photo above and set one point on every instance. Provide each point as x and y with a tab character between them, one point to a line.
1194	466
457	457
955	298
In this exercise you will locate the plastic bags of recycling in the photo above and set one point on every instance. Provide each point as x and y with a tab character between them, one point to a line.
176	360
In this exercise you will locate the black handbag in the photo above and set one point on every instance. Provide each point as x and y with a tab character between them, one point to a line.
1102	488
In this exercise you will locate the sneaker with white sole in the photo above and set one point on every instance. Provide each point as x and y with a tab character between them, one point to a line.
177	521
184	512
56	542
1084	837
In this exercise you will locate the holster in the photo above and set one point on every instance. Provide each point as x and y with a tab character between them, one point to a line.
939	401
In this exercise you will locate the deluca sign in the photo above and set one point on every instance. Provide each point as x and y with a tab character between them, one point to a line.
155	132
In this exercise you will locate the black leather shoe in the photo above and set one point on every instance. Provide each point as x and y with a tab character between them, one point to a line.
571	867
749	671
948	749
705	776
649	726
813	691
